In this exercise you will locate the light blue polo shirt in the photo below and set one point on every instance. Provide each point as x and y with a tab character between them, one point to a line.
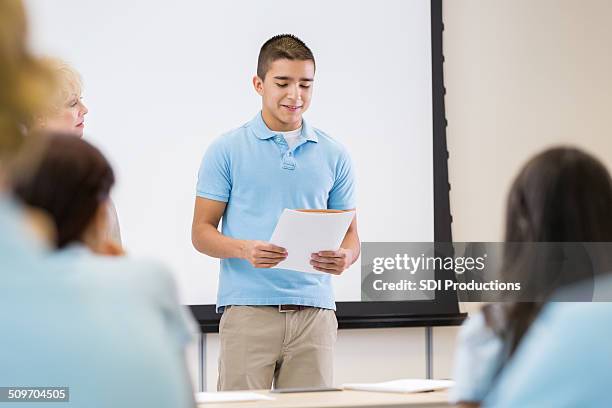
564	360
253	170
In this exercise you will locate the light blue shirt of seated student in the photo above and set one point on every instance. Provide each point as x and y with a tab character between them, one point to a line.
565	360
110	329
255	172
479	356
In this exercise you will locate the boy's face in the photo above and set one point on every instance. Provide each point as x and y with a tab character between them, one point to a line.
285	91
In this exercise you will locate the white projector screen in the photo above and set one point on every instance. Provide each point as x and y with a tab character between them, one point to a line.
162	80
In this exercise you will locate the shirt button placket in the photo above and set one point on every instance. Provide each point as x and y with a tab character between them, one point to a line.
288	160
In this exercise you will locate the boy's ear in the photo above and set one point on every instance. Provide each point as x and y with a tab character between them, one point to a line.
258	85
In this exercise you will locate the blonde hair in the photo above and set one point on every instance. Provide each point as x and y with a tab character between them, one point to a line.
67	79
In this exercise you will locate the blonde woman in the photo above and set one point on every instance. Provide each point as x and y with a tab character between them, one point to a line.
66	115
67	111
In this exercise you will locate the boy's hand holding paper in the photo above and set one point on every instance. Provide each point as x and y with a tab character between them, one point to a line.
262	254
334	262
306	233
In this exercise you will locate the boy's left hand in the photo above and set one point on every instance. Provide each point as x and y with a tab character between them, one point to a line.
334	262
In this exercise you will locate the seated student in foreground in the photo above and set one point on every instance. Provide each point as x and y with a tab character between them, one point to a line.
110	328
565	360
66	115
561	195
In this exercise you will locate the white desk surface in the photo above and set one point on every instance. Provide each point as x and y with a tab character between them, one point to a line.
347	399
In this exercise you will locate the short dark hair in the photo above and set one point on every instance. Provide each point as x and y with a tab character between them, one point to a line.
71	181
282	46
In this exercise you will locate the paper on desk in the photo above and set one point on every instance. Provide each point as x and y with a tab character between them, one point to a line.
407	385
303	233
229	396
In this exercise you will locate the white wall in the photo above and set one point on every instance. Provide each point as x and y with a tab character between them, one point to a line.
521	75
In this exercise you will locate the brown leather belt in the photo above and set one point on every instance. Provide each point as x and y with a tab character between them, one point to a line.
292	308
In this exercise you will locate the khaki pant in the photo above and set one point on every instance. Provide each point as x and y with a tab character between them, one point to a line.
261	346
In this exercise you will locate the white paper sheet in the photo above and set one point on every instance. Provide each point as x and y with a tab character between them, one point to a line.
303	233
406	385
229	396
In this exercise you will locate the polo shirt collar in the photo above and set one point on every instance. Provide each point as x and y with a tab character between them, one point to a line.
261	130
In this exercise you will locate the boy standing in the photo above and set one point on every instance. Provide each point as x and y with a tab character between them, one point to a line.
277	325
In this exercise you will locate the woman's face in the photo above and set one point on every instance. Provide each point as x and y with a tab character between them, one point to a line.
69	119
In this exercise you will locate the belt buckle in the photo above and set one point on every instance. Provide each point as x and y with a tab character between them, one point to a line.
286	308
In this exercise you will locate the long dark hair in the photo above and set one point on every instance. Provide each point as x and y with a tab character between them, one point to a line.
72	179
561	195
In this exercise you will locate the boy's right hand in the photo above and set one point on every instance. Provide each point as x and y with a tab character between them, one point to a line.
263	254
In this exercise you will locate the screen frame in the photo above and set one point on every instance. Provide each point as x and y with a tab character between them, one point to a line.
444	310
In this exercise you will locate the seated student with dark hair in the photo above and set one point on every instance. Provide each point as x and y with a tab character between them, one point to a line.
110	328
72	185
564	360
561	195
